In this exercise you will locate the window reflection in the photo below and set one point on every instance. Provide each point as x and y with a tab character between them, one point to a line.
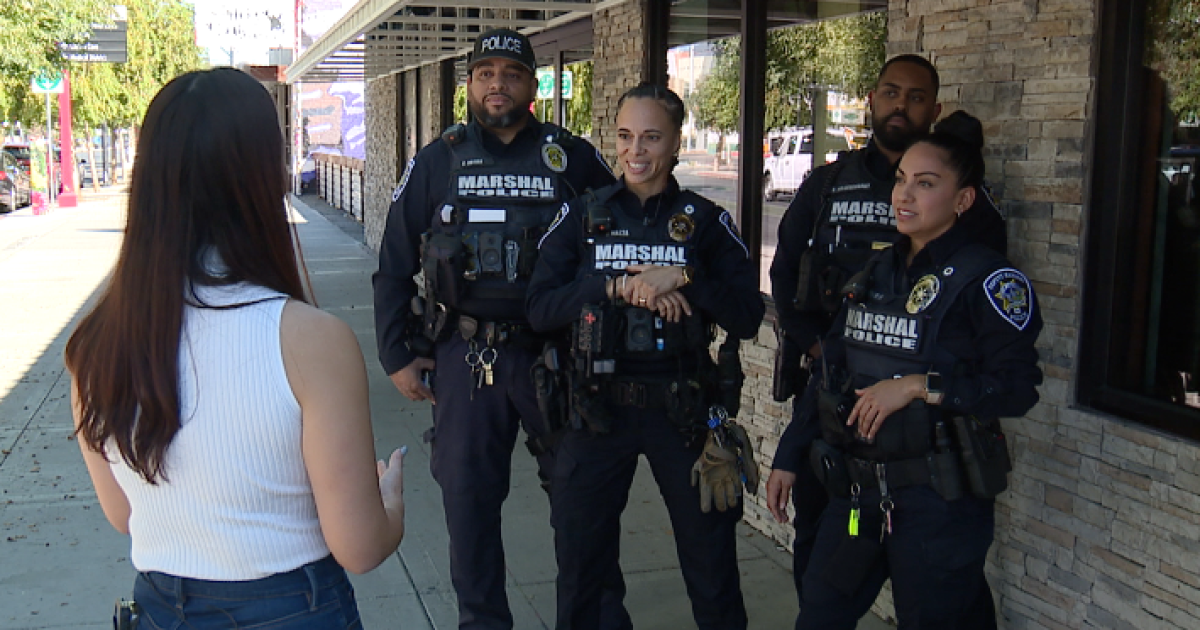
818	75
1168	229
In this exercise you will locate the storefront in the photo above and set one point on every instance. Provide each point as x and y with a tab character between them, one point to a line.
1090	111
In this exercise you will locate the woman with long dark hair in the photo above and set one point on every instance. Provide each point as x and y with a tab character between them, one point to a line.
934	344
223	420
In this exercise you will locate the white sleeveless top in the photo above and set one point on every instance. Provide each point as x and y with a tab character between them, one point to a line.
237	503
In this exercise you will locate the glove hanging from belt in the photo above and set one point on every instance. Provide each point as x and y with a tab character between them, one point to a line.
723	468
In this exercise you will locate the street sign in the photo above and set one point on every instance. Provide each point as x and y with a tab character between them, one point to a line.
47	83
545	89
107	42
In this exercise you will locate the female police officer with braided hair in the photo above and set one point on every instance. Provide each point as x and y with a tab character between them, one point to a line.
935	343
641	271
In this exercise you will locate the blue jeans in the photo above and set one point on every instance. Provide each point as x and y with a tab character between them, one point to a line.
316	595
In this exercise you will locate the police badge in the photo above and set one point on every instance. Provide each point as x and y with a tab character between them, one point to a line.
554	157
681	227
923	294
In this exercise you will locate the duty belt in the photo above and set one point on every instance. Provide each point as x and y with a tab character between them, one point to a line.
640	394
517	334
900	473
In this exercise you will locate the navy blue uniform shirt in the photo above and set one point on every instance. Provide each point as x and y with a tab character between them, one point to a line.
421	191
724	285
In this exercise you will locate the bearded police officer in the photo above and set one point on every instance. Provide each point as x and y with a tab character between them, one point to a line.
841	215
469	212
643	270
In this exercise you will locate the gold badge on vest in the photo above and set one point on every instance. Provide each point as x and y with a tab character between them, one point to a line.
681	227
923	294
554	157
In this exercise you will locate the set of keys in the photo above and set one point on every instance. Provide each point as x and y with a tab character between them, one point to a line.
481	362
886	505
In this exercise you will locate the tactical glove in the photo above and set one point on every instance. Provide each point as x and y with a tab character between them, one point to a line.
722	469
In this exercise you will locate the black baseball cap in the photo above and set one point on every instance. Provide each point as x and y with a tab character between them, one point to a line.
503	43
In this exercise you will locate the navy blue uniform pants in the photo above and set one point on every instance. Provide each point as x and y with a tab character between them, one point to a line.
808	495
475	431
934	556
590	488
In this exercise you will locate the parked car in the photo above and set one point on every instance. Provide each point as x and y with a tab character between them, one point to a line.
24	156
788	161
15	189
20	151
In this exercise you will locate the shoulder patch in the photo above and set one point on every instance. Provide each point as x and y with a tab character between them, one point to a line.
558	219
727	220
403	181
1010	294
601	160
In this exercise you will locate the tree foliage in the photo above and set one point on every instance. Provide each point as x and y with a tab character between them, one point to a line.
579	108
842	55
30	31
161	44
1175	32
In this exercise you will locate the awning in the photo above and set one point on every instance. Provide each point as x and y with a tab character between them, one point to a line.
379	37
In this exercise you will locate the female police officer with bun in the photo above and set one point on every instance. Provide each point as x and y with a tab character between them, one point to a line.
935	343
641	270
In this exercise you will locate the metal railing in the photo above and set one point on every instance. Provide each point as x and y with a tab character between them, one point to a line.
340	182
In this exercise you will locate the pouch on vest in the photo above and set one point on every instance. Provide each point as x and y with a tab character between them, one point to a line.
589	411
444	262
985	458
835	400
905	433
808	289
549	385
829	465
688	409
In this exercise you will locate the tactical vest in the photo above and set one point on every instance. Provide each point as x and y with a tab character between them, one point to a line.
481	250
893	332
854	223
615	240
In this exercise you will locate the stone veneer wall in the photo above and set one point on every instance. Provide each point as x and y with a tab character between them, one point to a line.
413	110
620	43
431	102
385	162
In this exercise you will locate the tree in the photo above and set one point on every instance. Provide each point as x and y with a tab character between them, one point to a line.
1175	33
30	31
579	108
842	55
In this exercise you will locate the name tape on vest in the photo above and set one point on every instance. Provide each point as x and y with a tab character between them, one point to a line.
507	186
878	329
862	213
619	256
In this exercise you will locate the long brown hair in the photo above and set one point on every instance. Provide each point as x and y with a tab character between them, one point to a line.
209	177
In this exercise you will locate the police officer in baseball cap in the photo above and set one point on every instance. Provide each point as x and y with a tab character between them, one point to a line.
469	212
503	43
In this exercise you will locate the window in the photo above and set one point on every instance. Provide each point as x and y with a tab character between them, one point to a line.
1140	351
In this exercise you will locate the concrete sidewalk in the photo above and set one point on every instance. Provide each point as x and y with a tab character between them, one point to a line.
62	565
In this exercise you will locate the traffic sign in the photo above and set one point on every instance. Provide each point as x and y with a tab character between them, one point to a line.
106	43
47	83
545	89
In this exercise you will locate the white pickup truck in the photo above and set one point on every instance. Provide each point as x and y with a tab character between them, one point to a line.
789	160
